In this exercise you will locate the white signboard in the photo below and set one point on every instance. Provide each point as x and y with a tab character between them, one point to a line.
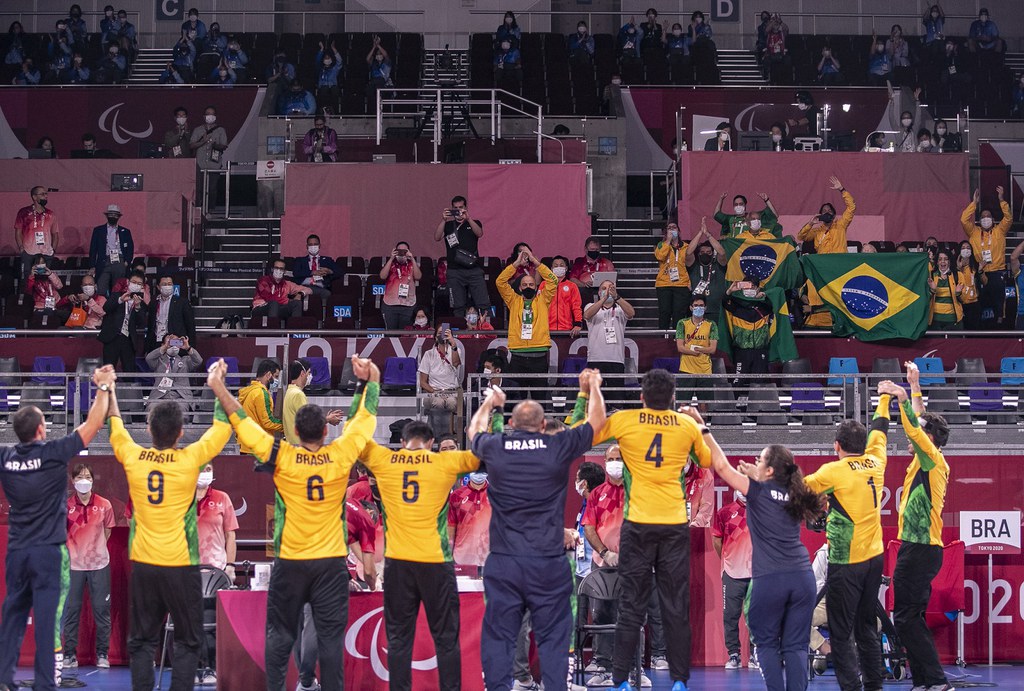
990	532
270	170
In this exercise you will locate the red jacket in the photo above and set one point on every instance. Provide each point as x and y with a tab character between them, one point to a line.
566	309
269	290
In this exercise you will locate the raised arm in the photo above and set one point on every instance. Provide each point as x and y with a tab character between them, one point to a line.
596	415
98	410
914	380
493	398
967	217
719	463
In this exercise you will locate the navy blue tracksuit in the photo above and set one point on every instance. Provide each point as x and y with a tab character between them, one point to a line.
528	475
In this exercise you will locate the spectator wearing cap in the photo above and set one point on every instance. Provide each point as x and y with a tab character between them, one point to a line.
984	34
111	250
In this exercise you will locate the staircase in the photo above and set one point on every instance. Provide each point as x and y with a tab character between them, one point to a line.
1015	62
630	245
242	245
148	65
740	68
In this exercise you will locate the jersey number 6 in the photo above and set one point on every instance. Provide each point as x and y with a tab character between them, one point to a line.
315	488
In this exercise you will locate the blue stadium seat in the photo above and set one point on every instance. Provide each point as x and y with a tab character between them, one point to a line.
399	373
320	370
986	398
931	369
842	365
48	370
666	363
232	363
573	366
1013	366
808	397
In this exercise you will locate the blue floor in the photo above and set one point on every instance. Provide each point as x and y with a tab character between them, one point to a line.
702	679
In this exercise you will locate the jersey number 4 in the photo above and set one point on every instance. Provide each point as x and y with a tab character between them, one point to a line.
654	451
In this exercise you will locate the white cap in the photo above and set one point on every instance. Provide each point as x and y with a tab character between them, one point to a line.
113	209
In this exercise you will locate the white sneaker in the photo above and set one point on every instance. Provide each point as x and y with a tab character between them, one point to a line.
102	662
734	662
530	685
600	679
659	662
315	686
944	686
645	682
594	668
209	678
70	662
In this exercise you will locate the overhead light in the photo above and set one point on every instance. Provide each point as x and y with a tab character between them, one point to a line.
846	107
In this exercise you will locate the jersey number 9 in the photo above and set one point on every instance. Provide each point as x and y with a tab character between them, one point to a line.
315	488
156	487
410	487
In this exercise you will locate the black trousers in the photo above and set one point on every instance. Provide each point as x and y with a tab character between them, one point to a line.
916	566
750	361
275	310
734	592
992	298
409	584
521	364
323	583
122	350
157	591
673	305
666	550
851	594
466	284
98	583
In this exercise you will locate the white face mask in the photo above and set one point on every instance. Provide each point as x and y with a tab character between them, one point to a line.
420	321
89	290
472	317
313	250
173	351
966	253
940	130
724	136
205	479
776	138
906	122
558	271
739	209
986	222
278	274
580	488
83	486
181	121
926	144
167	291
749	292
488	370
755	224
613	468
210	119
134	287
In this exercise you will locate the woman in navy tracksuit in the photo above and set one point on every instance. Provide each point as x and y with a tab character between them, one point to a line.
782	590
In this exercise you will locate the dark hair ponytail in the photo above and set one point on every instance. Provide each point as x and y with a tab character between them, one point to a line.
804	504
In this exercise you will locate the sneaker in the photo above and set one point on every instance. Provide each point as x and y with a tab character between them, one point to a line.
70	662
602	679
209	678
594	668
315	686
659	662
645	681
575	687
679	686
820	666
734	662
102	662
944	686
529	685
752	663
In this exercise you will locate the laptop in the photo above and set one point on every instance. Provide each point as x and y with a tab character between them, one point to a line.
39	153
384	158
602	276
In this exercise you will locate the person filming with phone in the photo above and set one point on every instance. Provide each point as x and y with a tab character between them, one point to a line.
170	363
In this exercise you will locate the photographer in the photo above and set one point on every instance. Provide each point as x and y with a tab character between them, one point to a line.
321	143
461	234
277	297
175	356
400	272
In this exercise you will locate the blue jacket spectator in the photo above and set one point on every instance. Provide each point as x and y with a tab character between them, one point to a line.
234	56
110	26
380	69
699	27
28	76
76	25
223	75
194	24
676	42
507	55
76	72
185	53
509	30
14	51
329	67
216	42
762	34
171	75
984	33
581	43
127	35
296	101
629	39
281	71
59	51
879	63
934	21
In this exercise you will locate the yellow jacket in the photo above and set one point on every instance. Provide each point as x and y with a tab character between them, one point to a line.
258	405
666	260
540	338
996	240
831	239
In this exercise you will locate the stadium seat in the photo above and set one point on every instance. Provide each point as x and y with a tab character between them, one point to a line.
399	374
670	364
348	380
800	366
842	365
970	370
763	404
48	370
1014	367
808	399
130	401
573	366
10	380
320	379
232	363
36	395
946	401
987	400
931	370
722	406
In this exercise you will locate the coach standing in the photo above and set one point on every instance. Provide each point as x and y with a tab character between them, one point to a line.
527	569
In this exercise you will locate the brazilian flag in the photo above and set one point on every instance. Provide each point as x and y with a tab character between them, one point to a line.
772	262
735	330
873	297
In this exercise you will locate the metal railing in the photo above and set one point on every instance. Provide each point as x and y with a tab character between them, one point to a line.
913	17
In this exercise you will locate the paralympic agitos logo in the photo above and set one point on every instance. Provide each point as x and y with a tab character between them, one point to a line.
356	639
108	122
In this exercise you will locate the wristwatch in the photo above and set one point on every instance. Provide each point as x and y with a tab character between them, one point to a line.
104	387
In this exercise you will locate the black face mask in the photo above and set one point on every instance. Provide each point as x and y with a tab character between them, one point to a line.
827	217
529	293
42	202
594	254
705	259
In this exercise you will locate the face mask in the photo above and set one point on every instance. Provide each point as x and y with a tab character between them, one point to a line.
580	488
613	468
472	318
313	250
89	291
705	259
749	292
986	223
724	136
581	30
827	217
677	32
205	479
328	63
616	82
984	18
700	20
134	287
802	106
508	20
940	130
506	46
43	202
274	385
278	274
223	73
558	271
477	478
739	209
673	234
529	293
420	321
698	312
210	119
879	49
83	486
755	224
776	138
906	122
173	351
966	253
109	14
593	254
181	121
41	269
826	53
167	291
926	144
488	370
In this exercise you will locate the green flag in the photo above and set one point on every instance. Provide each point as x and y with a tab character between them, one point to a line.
773	263
752	321
872	297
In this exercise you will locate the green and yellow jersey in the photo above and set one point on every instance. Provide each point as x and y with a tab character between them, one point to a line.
924	488
855	484
655	446
162	487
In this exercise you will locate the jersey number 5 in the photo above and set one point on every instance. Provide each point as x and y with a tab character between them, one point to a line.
410	487
315	488
654	451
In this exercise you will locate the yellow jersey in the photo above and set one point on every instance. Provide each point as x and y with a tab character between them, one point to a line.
294	398
698	335
989	246
162	486
855	484
924	488
672	271
831	238
309	486
655	446
259	406
414	488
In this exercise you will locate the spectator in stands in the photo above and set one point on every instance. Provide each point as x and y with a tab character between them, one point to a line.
44	286
296	101
36	230
925	145
76	25
707	274
672	284
76	72
988	240
808	118
279	75
60	51
13	48
465	278
761	43
508	67
521	269
875	142
112	68
478	324
420	321
216	42
29	74
46	144
566	311
276	296
879	62
194	27
109	25
581	44
984	34
91	150
321	142
749	322
176	139
677	49
606	320
973	280
90	519
209	141
121	284
314	271
235	59
945	311
731	539
827	231
508	31
931	246
440	378
400	272
735	223
379	63
652	34
88	301
953	71
123	315
111	250
777	54
868	248
814	310
216	525
934	21
583	269
223	75
780	142
170	363
629	41
257	399
899	52
722	141
829	73
699	28
299	376
183	62
696	341
171	74
169	314
528	333
702	47
946	141
1018	282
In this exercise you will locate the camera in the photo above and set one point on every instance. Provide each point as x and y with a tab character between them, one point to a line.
455	212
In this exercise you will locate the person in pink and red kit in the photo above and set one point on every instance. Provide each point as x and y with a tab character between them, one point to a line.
469	520
731	539
36	230
276	296
90	519
216	524
700	496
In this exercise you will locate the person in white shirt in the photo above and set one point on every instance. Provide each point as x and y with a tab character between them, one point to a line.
440	377
819	565
606	319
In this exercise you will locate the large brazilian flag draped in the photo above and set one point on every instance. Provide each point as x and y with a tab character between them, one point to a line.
772	262
781	345
872	297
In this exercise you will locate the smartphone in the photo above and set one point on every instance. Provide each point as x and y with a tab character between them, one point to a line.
178	342
445	328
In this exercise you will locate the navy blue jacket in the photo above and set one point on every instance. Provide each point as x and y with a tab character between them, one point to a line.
98	247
